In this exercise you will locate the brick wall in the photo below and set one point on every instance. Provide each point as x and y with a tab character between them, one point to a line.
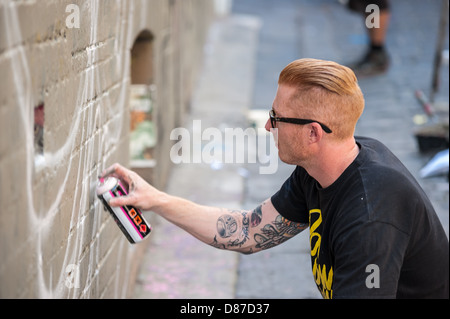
72	86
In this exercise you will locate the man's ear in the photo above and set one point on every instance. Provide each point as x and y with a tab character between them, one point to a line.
315	133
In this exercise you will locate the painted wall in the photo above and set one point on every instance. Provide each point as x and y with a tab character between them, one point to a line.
71	84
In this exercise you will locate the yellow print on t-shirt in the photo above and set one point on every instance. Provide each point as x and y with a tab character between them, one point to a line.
323	279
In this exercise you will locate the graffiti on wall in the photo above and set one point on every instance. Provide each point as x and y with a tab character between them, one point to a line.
97	123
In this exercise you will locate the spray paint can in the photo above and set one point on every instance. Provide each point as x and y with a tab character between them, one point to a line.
129	219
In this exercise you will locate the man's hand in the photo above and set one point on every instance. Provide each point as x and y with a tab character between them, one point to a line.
140	194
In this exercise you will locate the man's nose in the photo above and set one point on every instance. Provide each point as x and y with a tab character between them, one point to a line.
268	125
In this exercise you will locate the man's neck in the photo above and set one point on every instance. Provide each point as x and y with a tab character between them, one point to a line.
332	162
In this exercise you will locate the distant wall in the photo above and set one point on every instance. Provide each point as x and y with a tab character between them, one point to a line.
65	116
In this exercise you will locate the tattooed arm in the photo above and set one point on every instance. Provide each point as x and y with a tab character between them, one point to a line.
243	231
252	231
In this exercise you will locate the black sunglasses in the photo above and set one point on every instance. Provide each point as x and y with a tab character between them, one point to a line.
274	120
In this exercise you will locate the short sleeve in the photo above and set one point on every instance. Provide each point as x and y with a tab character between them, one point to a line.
290	200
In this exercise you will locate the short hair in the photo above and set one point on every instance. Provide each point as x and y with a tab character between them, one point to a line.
327	92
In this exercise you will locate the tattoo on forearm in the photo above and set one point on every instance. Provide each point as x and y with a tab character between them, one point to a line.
234	226
243	236
256	216
216	244
278	232
228	226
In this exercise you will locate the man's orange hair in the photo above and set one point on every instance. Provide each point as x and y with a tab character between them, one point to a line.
327	92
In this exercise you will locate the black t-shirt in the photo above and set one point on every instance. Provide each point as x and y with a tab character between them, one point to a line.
373	232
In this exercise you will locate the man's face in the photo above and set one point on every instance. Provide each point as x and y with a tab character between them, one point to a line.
289	138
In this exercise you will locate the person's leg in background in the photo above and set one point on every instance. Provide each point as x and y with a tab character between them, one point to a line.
376	59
